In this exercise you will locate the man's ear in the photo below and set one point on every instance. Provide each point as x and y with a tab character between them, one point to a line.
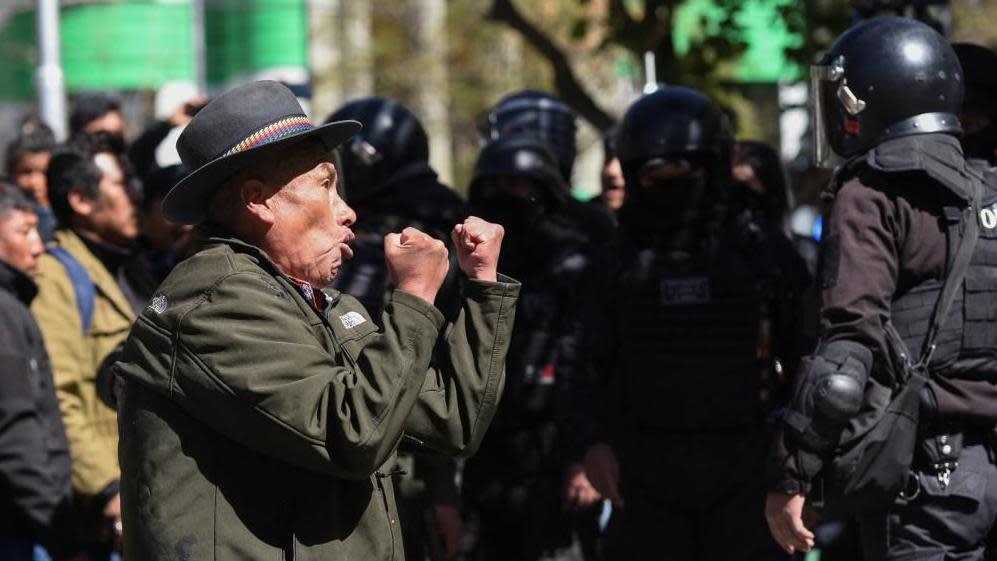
259	201
80	202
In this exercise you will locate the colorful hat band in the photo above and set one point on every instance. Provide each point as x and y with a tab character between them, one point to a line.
272	132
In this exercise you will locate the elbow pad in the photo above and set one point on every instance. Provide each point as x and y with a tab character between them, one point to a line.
830	391
840	371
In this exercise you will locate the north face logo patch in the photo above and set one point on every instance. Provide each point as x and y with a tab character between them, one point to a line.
351	319
158	304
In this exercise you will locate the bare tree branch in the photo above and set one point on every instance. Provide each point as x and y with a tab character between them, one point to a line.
565	81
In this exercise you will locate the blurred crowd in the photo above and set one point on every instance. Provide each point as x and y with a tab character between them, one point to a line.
656	336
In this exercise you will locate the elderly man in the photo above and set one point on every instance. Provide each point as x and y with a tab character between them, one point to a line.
258	413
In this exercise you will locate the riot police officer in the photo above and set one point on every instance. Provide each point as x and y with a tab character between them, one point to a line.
388	181
899	252
514	483
697	327
553	122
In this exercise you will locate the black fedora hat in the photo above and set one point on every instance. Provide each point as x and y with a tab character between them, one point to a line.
236	128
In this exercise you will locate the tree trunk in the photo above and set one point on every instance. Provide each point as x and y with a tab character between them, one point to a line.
325	56
357	49
432	93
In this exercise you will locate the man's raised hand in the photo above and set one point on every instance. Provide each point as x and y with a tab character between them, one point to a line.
417	263
478	245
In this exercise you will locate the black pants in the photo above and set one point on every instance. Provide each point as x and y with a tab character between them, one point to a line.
944	522
696	497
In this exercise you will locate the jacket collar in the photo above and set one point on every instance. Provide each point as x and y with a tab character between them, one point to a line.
101	277
937	155
17	283
214	234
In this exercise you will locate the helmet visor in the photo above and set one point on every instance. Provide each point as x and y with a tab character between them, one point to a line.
824	82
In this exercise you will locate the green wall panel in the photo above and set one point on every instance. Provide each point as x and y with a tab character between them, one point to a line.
141	44
244	36
126	46
17	56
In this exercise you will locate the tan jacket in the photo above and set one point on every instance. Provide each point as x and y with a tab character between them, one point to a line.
90	425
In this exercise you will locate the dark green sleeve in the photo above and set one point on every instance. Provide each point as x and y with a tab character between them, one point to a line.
253	367
461	390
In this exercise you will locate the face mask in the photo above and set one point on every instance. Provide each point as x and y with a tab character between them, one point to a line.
517	215
520	218
675	202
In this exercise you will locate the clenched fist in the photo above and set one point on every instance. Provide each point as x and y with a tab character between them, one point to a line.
417	263
478	244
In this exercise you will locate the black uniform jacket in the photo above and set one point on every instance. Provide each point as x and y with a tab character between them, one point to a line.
887	234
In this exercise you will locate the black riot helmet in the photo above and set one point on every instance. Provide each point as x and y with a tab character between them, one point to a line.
537	114
884	78
519	155
674	124
391	140
675	147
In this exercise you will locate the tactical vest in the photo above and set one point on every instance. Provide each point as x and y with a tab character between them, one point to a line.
694	335
966	346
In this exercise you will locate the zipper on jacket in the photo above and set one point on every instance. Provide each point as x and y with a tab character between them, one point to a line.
392	521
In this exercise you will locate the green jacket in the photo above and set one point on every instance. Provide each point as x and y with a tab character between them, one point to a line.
255	427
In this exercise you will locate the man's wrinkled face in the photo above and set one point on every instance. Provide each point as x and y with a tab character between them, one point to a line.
311	233
20	243
113	217
515	186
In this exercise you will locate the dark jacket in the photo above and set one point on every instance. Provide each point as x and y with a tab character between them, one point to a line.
35	469
691	340
254	426
886	236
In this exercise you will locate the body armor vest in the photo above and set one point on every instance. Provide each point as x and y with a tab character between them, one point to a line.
966	346
696	337
523	440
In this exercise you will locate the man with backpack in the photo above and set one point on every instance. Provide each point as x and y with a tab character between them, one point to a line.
85	306
892	419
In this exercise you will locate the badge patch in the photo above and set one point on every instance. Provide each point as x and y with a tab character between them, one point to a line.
351	319
158	304
685	291
988	217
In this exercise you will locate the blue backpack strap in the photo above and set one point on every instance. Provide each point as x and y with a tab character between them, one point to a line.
86	293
